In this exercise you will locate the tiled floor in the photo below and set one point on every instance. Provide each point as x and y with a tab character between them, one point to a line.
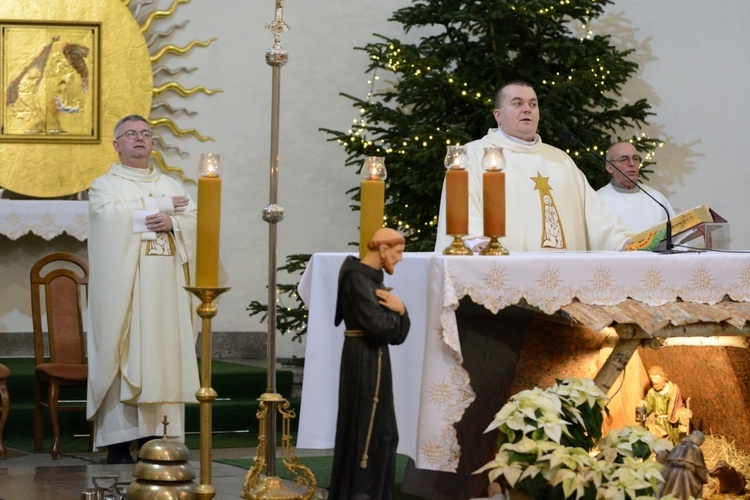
25	476
35	476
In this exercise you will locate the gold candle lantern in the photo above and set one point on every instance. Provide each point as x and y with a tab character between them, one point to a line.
209	221
457	199
493	192
372	200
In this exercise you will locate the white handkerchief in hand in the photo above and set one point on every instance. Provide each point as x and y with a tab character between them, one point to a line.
139	223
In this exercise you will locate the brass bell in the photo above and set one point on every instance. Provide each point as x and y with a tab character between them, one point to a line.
163	472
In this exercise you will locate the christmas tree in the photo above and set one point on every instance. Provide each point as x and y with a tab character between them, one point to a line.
440	91
443	88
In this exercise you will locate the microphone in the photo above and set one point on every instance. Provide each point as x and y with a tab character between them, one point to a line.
567	135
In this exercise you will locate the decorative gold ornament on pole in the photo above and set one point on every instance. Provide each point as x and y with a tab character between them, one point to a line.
256	486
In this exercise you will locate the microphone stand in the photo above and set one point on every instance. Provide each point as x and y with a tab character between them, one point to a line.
568	136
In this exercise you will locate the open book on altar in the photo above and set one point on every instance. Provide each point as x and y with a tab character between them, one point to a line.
688	225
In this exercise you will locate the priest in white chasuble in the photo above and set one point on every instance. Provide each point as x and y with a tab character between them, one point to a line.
141	340
549	204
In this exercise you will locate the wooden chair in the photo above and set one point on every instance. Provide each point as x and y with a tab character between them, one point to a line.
62	278
4	406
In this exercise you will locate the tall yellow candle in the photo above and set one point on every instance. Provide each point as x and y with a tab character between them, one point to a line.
457	201
372	200
209	223
372	195
493	191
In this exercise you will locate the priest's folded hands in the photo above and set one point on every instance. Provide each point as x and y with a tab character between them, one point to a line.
159	222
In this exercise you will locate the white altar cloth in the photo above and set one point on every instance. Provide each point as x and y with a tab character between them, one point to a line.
427	368
44	218
318	286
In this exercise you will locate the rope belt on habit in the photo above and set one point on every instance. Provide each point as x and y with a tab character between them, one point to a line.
360	333
363	463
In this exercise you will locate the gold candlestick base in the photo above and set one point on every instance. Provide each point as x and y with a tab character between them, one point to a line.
494	247
206	395
457	247
257	486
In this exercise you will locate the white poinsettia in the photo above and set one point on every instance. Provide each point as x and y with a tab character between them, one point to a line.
526	446
508	461
579	391
573	483
502	465
531	427
538	399
576	414
533	470
632	476
648	470
599	471
523	410
512	416
568	458
553	426
507	412
569	468
620	442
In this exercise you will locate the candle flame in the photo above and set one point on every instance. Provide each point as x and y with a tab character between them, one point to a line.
373	168
493	159
209	165
456	158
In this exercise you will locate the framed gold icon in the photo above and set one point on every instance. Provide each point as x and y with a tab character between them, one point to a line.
50	81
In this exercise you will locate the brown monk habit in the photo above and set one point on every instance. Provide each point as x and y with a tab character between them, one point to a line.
364	460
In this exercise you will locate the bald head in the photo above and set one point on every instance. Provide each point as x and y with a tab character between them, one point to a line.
385	250
385	236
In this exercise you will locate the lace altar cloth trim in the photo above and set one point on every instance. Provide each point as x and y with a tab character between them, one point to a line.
46	219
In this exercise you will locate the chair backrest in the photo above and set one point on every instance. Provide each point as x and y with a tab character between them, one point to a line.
62	278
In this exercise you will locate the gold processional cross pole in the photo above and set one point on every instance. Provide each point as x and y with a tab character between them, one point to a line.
256	487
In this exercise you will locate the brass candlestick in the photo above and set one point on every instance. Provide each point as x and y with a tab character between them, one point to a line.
457	247
255	487
206	395
494	247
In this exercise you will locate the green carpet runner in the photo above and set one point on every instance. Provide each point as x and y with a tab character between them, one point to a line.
234	412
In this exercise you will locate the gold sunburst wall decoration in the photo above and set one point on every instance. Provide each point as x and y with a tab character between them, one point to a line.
115	76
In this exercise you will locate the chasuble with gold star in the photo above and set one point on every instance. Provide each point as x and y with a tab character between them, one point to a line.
549	204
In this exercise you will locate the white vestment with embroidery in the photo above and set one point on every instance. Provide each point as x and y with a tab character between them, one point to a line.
141	339
549	204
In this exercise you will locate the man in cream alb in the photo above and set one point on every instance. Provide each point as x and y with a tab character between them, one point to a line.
141	342
549	204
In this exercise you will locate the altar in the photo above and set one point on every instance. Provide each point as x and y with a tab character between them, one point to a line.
432	390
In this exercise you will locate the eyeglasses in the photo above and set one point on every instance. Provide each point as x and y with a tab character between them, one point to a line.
624	159
133	134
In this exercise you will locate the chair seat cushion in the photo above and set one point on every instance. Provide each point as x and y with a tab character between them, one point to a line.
4	372
72	373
